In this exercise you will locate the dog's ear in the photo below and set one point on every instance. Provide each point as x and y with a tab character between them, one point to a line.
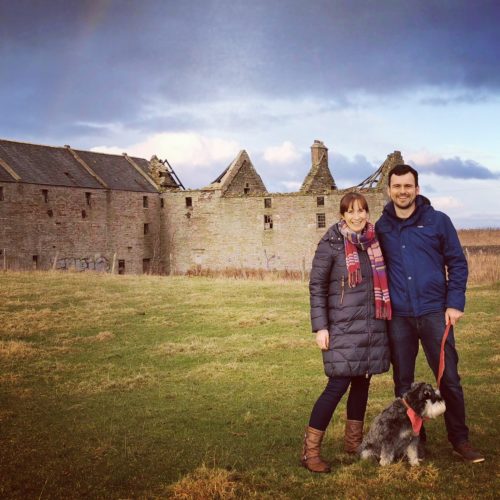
414	385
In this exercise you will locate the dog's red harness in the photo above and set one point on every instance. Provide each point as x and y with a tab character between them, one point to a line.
415	419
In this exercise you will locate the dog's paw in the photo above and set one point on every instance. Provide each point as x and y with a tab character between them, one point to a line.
385	461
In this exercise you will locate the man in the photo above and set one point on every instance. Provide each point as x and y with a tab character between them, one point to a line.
427	273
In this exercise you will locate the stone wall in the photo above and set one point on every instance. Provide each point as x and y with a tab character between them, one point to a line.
219	232
233	223
69	227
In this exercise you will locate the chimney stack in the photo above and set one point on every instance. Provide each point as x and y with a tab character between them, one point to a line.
318	150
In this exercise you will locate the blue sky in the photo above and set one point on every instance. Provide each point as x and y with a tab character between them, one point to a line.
195	81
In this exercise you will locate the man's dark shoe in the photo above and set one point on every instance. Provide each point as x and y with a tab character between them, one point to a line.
468	453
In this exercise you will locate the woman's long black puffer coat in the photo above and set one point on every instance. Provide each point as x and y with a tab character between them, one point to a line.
358	341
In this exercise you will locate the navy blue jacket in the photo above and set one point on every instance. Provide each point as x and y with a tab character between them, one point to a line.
417	253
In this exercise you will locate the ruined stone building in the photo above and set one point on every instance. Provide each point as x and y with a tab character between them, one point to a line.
63	208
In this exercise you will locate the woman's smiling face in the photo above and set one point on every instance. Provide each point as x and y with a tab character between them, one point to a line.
356	217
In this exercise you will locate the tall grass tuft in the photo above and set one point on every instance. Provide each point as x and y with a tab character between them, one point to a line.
247	273
484	268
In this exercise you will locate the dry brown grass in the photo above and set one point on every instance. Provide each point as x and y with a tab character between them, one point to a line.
479	237
207	483
100	337
112	383
245	273
484	268
16	349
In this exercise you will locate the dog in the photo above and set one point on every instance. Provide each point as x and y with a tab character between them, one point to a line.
394	434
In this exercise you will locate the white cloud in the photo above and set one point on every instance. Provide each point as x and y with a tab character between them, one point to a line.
286	153
196	158
186	149
422	157
446	202
112	127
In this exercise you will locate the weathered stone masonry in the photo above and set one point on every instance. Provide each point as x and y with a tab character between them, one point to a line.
61	208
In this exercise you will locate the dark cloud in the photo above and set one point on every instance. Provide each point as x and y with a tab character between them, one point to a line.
97	59
458	169
347	172
276	176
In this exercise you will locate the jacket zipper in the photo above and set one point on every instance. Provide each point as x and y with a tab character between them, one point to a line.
369	289
342	290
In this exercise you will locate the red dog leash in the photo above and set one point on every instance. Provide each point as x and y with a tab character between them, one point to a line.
415	419
441	355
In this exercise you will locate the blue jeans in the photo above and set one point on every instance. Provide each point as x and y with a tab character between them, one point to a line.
336	387
404	336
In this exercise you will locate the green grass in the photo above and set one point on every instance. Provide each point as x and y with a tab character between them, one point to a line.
153	387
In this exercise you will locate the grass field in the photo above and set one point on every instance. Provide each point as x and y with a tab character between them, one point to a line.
154	387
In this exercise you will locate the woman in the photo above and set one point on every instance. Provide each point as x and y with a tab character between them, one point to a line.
349	306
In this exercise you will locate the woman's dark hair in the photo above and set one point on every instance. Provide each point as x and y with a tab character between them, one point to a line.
402	170
348	200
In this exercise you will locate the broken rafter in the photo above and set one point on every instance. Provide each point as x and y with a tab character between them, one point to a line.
170	170
373	180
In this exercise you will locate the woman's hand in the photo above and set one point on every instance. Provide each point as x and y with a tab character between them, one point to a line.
323	339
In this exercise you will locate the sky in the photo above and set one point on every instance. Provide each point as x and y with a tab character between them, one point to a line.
196	81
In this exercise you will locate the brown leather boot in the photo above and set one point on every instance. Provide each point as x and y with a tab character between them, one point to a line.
311	458
353	435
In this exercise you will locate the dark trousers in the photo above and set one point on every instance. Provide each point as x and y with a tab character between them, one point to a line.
335	388
404	336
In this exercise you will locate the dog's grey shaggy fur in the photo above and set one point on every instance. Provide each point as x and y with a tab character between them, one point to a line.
391	434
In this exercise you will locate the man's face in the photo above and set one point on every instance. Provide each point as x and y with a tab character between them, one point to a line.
403	191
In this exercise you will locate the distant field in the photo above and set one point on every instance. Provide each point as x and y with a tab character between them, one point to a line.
482	249
479	237
155	387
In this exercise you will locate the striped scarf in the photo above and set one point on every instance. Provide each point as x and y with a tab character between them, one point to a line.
367	240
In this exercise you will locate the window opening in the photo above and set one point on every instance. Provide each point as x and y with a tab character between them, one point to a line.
45	194
320	201
320	220
146	266
267	202
268	221
35	261
1	193
121	267
88	197
145	201
146	228
189	202
246	189
162	202
84	214
50	213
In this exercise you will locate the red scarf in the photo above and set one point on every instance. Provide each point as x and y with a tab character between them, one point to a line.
367	240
